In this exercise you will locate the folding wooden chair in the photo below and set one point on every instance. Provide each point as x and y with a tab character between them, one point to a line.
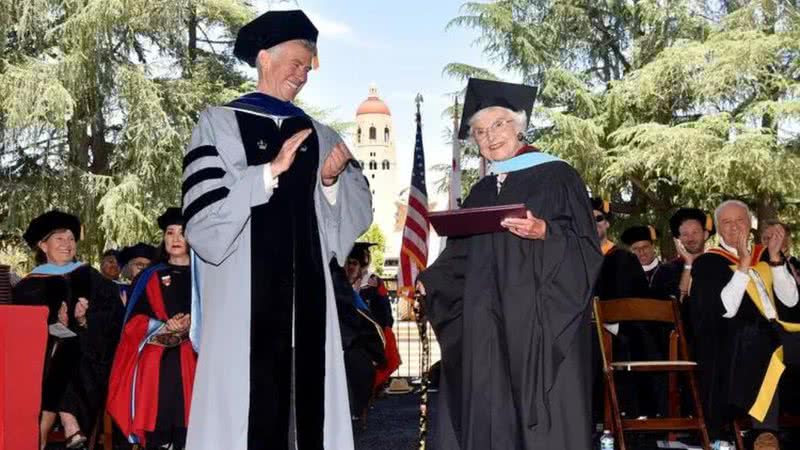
664	311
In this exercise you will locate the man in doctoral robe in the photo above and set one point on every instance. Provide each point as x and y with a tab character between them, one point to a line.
271	196
621	275
690	228
641	240
735	289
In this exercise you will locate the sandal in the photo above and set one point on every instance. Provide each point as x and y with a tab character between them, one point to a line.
75	440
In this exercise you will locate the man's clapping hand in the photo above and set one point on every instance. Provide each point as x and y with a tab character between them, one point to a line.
335	163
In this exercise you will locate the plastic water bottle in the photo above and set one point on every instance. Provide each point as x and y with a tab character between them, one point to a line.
607	441
722	445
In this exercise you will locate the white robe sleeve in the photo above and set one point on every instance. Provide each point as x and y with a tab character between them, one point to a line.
218	187
784	285
345	210
733	293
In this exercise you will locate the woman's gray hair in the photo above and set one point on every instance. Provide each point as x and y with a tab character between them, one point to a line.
727	203
520	119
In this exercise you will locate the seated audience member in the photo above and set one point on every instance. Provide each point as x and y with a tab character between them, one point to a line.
768	228
109	264
151	381
734	295
691	228
85	319
661	280
136	258
362	336
373	291
621	276
133	260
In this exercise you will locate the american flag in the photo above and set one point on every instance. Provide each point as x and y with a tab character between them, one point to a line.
414	251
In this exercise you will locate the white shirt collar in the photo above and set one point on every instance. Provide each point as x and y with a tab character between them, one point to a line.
652	265
727	247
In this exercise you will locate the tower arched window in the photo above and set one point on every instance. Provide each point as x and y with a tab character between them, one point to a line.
385	164
373	133
373	165
358	135
361	163
386	135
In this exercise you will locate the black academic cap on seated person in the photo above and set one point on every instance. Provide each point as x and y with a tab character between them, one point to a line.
270	29
486	93
638	233
45	224
172	216
360	249
139	250
684	214
601	205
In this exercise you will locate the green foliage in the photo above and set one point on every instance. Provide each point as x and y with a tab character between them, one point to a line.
97	102
659	104
374	235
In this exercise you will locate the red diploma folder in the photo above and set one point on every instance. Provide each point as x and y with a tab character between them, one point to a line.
471	221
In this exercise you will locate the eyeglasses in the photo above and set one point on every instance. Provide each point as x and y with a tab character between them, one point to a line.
600	217
483	133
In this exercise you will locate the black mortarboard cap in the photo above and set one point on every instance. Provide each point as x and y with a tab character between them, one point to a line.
599	204
172	216
360	249
48	222
486	93
638	233
271	29
139	250
684	214
111	252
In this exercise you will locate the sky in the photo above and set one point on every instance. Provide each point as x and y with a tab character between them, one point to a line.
401	47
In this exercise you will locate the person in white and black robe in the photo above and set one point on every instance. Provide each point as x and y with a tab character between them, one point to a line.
270	197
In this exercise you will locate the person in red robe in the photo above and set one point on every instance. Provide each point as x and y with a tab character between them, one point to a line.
151	380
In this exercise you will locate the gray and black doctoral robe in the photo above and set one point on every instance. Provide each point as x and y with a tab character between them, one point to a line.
270	373
512	317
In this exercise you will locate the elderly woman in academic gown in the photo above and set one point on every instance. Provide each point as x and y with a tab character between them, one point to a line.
511	309
85	319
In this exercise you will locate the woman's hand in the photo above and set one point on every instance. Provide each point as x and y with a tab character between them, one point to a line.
63	315
179	323
527	228
174	323
80	311
421	288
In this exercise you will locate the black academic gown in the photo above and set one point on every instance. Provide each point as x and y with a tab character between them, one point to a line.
512	318
732	354
664	281
622	276
362	342
76	376
378	301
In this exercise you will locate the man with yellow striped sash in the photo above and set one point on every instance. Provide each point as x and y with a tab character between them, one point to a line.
735	289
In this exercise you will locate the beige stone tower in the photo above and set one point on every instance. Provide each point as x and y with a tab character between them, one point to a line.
374	149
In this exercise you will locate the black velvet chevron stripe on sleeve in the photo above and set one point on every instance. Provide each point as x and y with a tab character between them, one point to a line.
209	173
203	201
197	153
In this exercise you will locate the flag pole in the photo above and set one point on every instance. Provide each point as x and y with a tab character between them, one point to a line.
455	163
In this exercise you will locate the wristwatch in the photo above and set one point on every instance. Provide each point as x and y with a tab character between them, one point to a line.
778	263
